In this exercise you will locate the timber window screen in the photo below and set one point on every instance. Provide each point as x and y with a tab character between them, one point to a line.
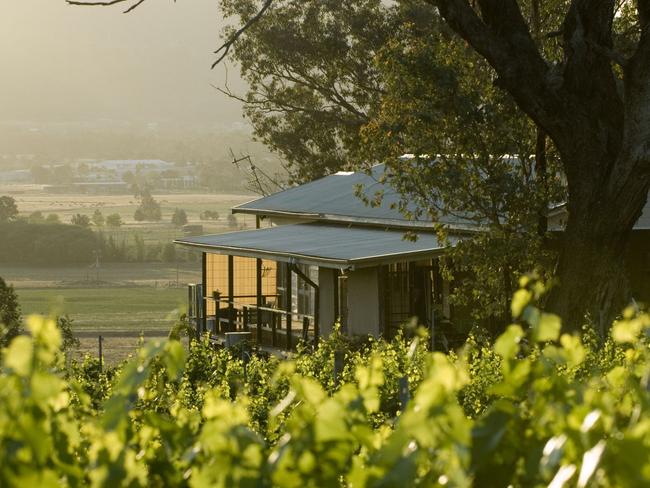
244	280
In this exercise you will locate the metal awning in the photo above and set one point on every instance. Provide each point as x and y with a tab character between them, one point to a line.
326	245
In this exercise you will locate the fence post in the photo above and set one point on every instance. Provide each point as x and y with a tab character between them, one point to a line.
274	317
244	318
433	330
259	321
101	355
217	315
305	329
338	366
288	306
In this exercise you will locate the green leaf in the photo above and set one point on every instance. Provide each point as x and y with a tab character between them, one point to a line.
547	329
507	345
520	301
19	356
174	358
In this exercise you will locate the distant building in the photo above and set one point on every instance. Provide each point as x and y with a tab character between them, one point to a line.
179	182
91	188
123	166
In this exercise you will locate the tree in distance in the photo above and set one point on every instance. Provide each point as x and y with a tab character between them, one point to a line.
36	217
179	218
52	219
10	318
114	220
149	208
209	215
168	254
8	209
98	218
80	220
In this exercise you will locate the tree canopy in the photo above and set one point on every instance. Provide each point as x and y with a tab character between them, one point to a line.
8	209
578	70
10	317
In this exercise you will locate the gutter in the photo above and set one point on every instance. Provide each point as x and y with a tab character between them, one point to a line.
294	258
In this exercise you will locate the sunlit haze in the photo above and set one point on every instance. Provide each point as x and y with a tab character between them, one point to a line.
67	64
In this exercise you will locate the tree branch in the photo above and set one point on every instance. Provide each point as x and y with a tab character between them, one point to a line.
225	47
106	3
502	37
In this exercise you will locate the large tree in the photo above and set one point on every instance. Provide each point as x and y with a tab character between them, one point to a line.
594	103
311	77
590	93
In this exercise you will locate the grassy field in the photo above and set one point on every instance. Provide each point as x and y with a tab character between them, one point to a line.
121	309
121	315
157	275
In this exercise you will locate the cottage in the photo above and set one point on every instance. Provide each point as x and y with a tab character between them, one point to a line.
320	255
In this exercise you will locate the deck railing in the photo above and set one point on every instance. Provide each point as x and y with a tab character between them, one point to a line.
268	326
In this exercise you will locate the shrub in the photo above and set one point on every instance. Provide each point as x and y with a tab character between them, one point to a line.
179	218
21	242
10	318
214	417
80	220
114	220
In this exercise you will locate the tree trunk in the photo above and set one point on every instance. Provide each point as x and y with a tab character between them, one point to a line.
592	270
592	283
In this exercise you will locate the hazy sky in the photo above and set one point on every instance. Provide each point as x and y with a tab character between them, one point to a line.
61	63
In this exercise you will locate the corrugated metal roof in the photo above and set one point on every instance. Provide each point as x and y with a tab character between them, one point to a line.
327	245
334	198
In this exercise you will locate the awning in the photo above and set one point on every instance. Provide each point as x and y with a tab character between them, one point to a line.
330	246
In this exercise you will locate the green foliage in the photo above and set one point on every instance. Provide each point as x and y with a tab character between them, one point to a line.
209	215
312	81
80	220
533	409
179	218
140	248
473	159
52	219
10	318
36	217
336	84
114	220
98	218
68	340
168	253
8	209
22	242
149	208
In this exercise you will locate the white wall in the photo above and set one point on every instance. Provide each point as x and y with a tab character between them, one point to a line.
363	302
